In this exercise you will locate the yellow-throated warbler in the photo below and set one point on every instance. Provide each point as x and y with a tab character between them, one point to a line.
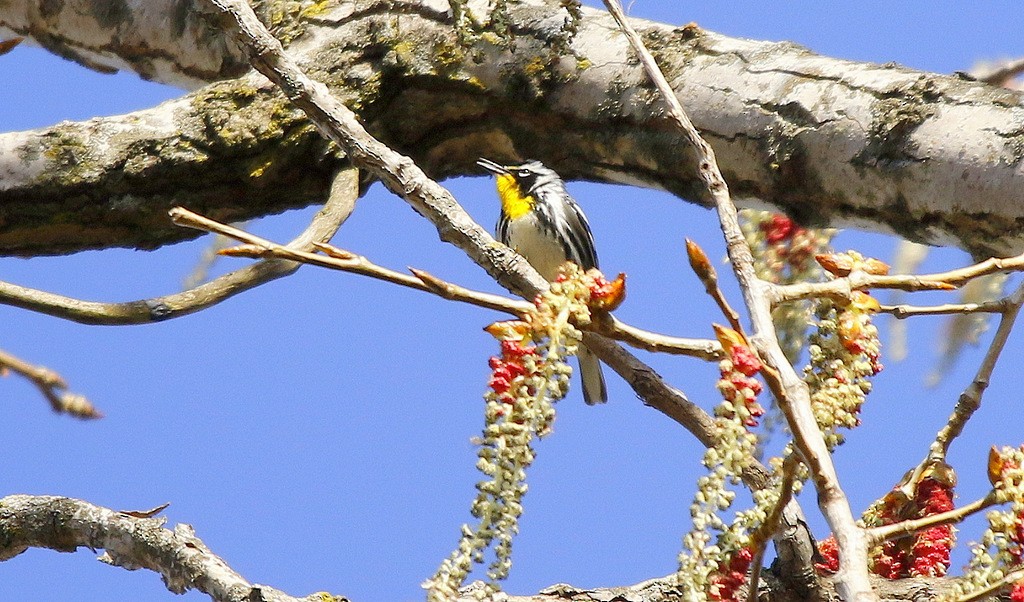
543	224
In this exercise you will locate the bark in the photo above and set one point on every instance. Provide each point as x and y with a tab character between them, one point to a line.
933	158
133	540
137	540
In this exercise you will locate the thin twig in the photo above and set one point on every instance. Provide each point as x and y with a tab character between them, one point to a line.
882	533
339	205
859	280
611	327
201	270
709	278
52	386
791	392
987	592
970	399
901	312
342	260
1004	73
339	259
760	538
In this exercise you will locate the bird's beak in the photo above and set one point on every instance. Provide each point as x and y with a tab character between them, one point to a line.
491	166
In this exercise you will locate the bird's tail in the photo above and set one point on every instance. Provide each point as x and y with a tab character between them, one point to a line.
594	390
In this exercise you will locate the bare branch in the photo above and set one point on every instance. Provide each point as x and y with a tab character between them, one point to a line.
339	259
901	312
134	540
611	327
52	386
860	280
342	260
970	399
882	533
709	278
1003	73
401	175
340	203
182	559
759	539
789	389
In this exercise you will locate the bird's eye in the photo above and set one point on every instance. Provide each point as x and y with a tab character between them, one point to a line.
523	173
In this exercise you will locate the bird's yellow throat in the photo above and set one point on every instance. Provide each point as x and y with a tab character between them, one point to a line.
513	203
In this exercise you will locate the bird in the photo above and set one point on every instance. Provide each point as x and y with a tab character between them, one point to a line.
541	222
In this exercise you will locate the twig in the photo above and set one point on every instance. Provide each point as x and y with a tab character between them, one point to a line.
611	327
760	538
181	558
882	533
52	386
988	591
342	260
859	280
709	278
397	172
1004	73
789	389
901	312
201	270
340	202
970	399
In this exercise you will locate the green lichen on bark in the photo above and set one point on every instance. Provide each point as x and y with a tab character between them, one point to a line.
67	154
672	49
287	19
237	115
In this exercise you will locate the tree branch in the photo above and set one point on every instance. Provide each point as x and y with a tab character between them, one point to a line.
970	399
52	386
339	259
860	280
136	540
838	142
182	559
853	582
882	533
340	203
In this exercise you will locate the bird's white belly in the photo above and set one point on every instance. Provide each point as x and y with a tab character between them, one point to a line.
543	251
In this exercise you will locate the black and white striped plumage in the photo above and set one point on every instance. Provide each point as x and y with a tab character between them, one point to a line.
545	225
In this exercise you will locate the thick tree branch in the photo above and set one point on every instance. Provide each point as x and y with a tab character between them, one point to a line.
136	540
182	559
933	158
167	41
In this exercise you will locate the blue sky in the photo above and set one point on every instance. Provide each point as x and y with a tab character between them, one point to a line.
316	431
